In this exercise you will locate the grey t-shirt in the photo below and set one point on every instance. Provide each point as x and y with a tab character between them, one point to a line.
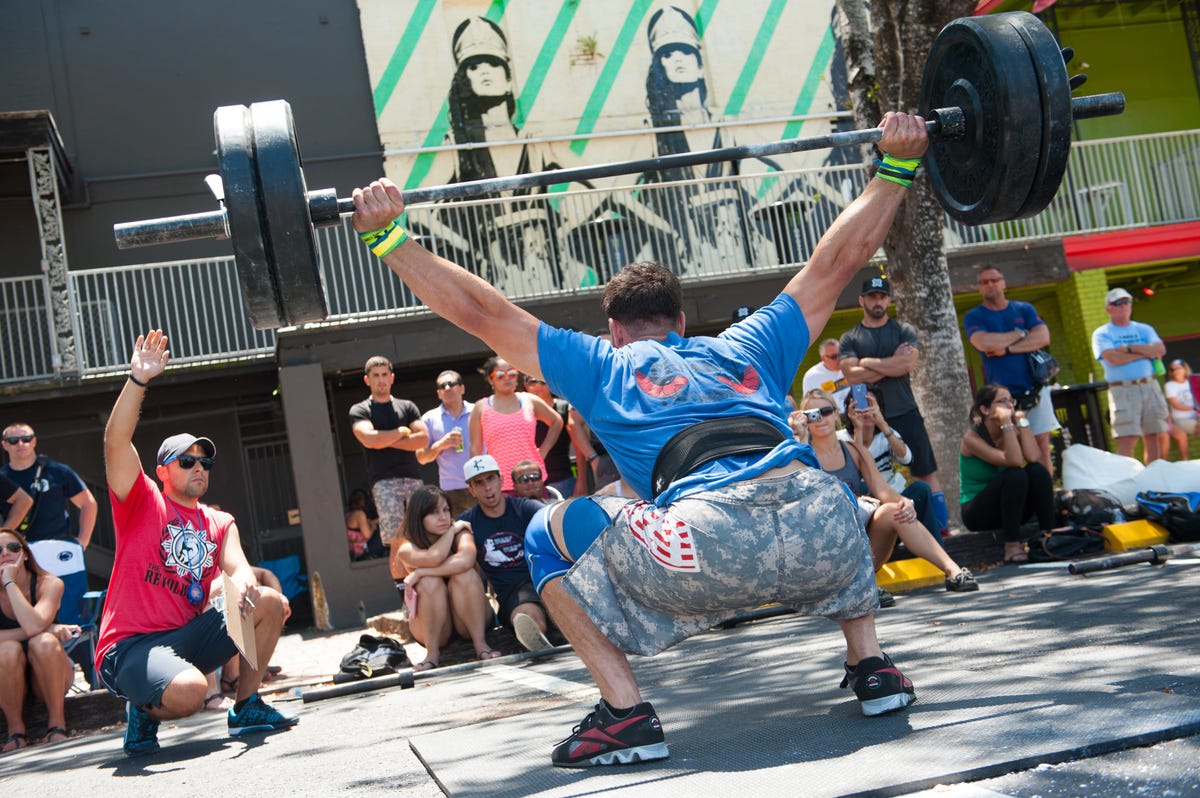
859	342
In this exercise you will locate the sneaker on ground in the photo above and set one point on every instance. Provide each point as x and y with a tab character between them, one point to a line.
879	685
141	732
886	599
258	716
963	582
601	738
529	634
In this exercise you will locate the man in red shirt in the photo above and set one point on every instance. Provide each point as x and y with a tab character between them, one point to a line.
156	638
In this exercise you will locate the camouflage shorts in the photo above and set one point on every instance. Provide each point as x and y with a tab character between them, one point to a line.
657	576
391	500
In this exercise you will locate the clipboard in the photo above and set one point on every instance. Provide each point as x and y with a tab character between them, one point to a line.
239	629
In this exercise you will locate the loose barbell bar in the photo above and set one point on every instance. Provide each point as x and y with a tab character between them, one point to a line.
995	94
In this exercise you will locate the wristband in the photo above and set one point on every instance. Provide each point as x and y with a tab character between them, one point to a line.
593	456
138	382
9	582
900	171
384	240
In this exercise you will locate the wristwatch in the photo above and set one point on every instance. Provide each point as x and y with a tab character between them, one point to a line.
1022	423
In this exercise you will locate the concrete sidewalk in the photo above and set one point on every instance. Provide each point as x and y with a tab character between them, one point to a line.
1038	668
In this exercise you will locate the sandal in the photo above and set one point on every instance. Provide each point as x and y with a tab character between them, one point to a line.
217	703
59	730
272	672
229	685
18	740
487	653
1017	559
427	665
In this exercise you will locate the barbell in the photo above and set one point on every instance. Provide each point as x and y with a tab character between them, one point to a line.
994	91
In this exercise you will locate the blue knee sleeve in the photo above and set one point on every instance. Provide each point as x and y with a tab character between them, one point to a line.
941	510
582	522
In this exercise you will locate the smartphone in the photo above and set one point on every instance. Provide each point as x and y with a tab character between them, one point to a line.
858	391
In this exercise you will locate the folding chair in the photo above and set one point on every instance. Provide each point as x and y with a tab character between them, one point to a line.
82	649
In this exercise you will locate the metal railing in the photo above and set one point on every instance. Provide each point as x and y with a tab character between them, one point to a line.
569	241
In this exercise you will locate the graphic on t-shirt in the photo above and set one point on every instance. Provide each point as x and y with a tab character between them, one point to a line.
658	390
748	383
188	550
503	550
660	383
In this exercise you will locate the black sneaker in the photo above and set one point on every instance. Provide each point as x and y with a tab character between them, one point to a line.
886	599
604	739
141	732
963	583
879	685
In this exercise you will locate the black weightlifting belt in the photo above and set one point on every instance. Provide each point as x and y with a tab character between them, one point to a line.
702	443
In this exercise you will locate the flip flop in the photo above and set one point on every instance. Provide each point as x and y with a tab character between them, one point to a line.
487	653
1016	559
222	703
53	730
421	667
18	741
229	685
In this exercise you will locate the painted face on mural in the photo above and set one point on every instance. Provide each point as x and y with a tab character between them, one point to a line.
488	78
681	64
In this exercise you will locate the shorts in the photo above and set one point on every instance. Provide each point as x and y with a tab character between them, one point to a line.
1188	425
139	668
1041	417
515	596
461	500
391	500
659	575
866	510
911	427
1139	409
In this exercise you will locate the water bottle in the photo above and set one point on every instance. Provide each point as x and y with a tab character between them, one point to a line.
459	447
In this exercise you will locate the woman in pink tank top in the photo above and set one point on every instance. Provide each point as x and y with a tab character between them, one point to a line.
505	423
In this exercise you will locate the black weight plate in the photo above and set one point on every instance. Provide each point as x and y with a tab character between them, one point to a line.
1054	88
291	239
982	65
235	159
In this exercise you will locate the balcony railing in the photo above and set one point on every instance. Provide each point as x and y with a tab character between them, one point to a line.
547	244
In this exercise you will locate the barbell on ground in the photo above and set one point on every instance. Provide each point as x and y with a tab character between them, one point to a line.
995	93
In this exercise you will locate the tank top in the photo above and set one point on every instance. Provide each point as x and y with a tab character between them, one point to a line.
850	474
510	437
13	623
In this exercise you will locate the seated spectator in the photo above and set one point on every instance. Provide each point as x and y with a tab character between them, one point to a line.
870	430
499	525
527	479
504	425
31	642
443	590
1000	476
361	529
1178	391
799	427
883	512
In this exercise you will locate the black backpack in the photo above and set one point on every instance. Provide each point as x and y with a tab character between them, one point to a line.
1087	507
1068	544
373	656
1178	512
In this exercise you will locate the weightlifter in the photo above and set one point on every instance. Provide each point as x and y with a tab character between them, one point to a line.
741	515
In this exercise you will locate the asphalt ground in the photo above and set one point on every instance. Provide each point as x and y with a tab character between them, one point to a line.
1108	659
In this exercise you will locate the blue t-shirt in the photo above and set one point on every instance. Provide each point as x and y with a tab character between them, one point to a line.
500	542
1110	336
638	396
1011	371
51	493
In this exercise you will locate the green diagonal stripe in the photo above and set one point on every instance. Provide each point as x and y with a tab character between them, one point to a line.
707	9
441	122
541	66
402	54
749	69
608	74
819	66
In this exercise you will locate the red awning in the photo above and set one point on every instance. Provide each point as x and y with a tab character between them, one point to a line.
1172	242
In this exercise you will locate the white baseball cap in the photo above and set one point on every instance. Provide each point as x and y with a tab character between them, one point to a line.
480	464
1115	294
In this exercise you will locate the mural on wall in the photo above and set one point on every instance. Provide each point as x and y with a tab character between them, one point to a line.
470	89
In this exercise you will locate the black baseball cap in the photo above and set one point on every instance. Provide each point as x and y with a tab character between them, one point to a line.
876	285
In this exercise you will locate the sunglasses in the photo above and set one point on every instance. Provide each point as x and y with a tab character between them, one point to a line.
14	546
990	280
816	413
1120	302
534	381
448	384
188	462
529	478
830	357
13	440
498	373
